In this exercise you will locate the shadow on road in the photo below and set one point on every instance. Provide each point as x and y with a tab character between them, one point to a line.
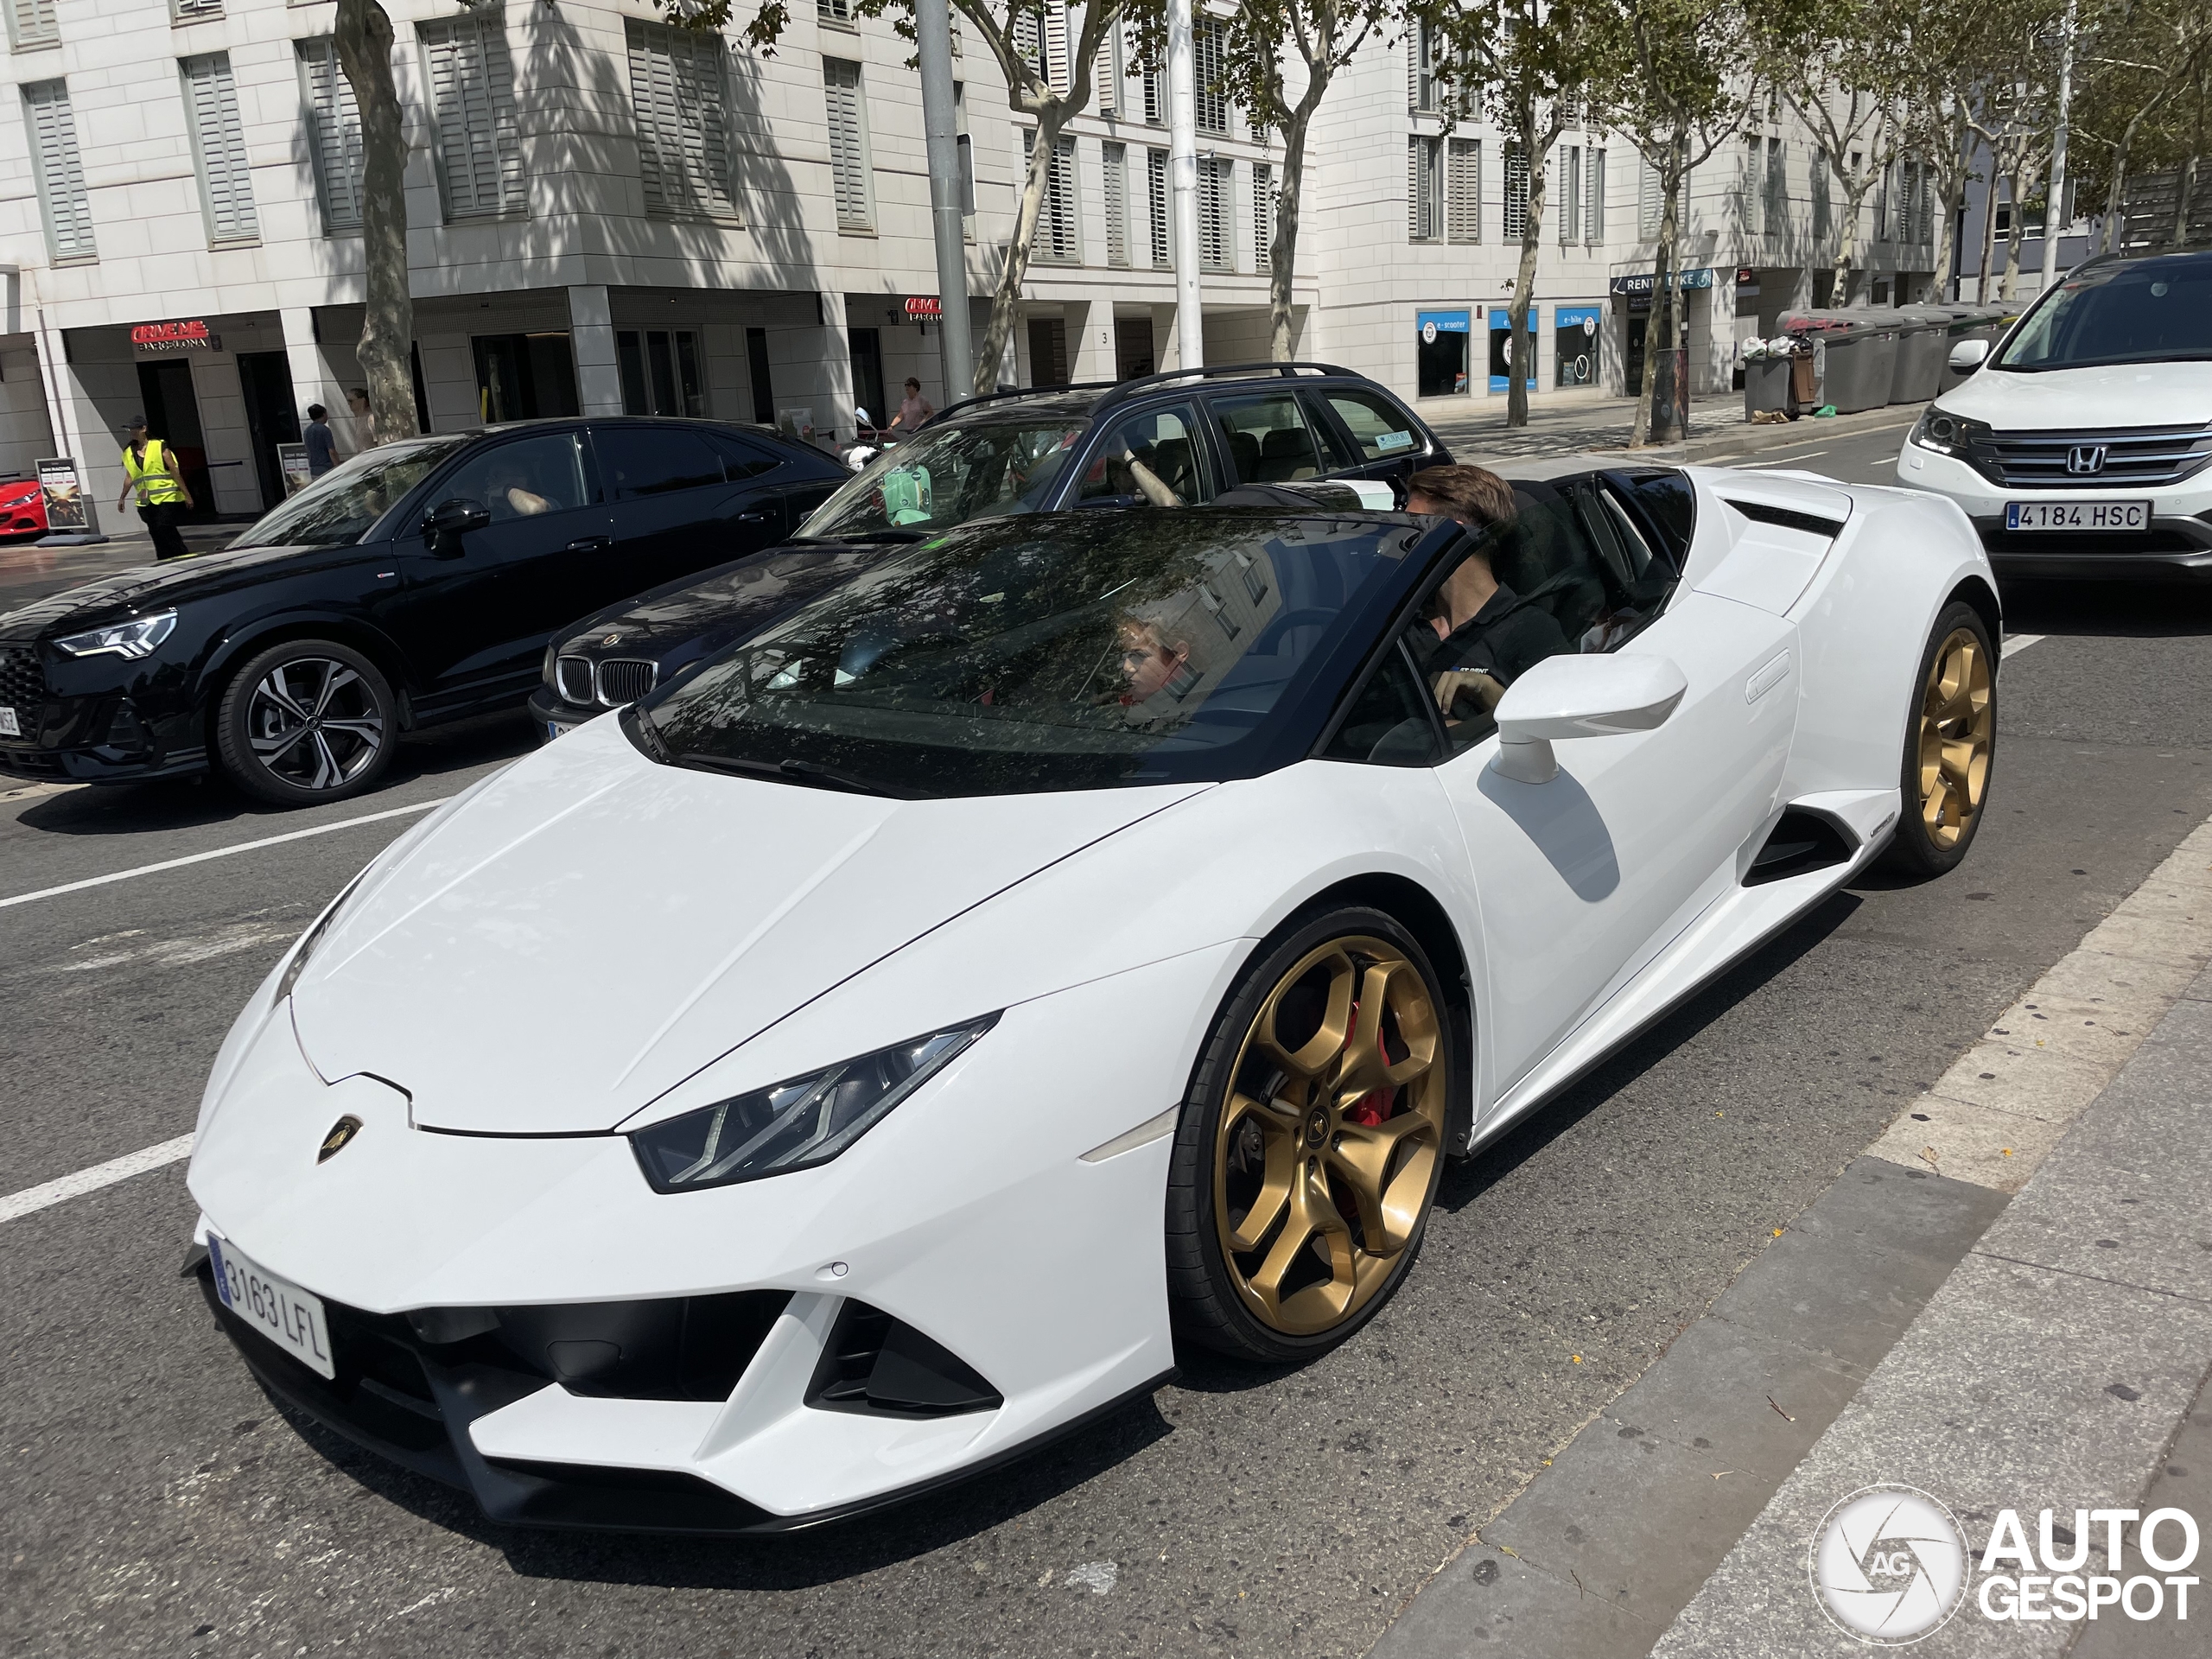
2138	610
136	808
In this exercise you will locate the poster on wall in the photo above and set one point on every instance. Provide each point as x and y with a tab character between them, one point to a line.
64	491
1574	344
1501	363
292	461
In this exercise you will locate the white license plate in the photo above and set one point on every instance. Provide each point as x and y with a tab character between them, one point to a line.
9	726
2077	515
280	1310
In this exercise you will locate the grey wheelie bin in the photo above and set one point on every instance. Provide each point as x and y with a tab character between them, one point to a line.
1862	355
1766	384
1924	343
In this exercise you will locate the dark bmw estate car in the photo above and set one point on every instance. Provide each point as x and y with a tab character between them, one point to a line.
418	582
1189	438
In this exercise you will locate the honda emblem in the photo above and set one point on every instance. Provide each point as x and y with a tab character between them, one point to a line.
2084	459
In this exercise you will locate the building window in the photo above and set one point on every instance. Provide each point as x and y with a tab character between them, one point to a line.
1048	352
60	173
1117	204
1516	192
1776	184
1263	216
30	22
1155	96
660	372
1650	207
1594	203
1209	54
1882	199
1424	161
1106	74
1570	195
1748	193
1055	240
1216	186
192	12
1439	354
334	134
833	11
840	85
1421	67
1464	216
219	145
473	97
1155	206
677	86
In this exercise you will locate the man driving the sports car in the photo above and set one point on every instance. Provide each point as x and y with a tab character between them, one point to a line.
1486	637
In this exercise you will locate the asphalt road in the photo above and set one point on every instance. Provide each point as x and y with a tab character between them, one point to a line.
154	1501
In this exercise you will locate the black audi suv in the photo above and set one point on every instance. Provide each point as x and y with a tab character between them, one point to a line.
416	583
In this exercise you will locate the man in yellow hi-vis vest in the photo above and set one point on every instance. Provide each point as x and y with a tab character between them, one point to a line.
149	468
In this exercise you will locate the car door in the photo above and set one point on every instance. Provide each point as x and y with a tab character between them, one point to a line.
1163	446
1370	436
1580	881
677	509
1269	437
474	618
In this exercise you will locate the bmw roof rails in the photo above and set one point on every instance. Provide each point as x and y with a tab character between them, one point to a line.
1125	390
1005	392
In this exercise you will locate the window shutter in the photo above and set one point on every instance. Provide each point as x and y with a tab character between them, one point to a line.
334	134
1209	54
840	84
1593	216
1263	216
1213	212
1117	204
30	22
1570	195
1054	239
479	137
1819	182
1156	98
1106	76
678	87
1464	209
1155	203
1058	64
1776	207
1516	193
61	171
225	179
1648	208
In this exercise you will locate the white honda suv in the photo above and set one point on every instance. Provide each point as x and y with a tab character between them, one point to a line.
2082	446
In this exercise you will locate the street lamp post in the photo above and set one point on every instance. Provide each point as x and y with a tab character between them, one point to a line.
1182	174
2054	198
933	47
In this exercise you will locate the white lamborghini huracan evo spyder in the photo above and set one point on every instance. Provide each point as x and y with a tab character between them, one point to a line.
1076	934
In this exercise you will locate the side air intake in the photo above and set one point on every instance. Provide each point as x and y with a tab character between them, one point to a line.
1802	842
875	1363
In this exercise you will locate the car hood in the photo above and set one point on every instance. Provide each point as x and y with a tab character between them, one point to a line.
590	929
2122	394
153	588
724	601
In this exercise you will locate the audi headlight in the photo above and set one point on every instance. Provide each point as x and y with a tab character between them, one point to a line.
1945	433
311	938
134	639
794	1125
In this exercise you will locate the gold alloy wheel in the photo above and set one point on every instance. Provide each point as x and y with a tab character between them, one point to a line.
1327	1149
1957	719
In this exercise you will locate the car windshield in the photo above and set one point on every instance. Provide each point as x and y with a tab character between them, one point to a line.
338	508
947	475
1073	651
2149	311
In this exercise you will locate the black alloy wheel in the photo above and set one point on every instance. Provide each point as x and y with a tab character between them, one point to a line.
305	722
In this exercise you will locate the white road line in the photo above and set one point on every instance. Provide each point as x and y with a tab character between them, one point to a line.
66	1187
2016	643
220	852
1781	460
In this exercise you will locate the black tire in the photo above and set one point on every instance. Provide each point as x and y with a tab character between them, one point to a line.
1950	758
1219	1298
305	721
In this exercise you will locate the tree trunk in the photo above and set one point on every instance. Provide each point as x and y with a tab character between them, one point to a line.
1855	187
988	355
2014	233
1282	247
1950	191
364	41
1662	279
1520	349
1989	232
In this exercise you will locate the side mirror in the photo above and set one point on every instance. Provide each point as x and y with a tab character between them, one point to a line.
1969	354
447	522
1580	697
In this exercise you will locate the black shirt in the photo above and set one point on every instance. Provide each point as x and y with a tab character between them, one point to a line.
1503	639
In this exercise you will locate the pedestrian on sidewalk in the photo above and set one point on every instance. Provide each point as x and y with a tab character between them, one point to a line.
149	468
913	410
322	447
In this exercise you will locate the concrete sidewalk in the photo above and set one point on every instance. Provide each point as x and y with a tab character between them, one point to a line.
1914	1327
1575	422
